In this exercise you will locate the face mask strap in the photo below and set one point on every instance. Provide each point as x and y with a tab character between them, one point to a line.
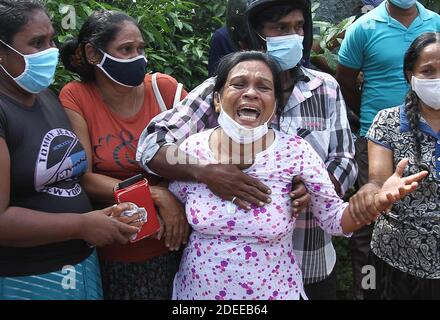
26	64
223	110
106	55
100	65
11	48
261	37
6	71
273	113
217	96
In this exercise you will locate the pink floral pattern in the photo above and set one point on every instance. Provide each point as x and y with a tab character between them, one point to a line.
234	254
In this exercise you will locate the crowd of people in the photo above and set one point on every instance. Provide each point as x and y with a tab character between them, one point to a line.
247	171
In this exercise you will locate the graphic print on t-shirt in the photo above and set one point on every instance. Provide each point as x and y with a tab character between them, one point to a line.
116	152
61	158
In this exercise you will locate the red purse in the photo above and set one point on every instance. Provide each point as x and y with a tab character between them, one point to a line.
137	191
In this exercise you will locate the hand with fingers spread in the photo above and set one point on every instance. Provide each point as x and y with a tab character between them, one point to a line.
300	196
102	227
230	183
367	206
174	225
396	187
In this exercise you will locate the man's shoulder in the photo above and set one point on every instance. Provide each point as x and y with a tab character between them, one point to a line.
201	94
366	24
221	33
203	90
320	74
435	17
326	78
208	83
427	14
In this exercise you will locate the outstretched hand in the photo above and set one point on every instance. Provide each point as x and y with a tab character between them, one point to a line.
368	203
396	187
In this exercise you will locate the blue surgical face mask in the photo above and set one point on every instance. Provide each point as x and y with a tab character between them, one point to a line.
126	72
286	50
403	4
39	69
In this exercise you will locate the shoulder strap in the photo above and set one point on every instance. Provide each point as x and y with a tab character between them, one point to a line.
159	99
178	94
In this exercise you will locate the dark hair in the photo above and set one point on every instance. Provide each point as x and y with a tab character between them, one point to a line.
100	28
270	12
412	100
15	14
228	62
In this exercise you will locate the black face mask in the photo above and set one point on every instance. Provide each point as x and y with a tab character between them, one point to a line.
126	72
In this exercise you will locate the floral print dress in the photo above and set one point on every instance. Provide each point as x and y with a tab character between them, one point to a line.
244	255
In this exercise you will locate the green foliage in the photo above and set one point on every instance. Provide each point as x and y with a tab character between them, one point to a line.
433	5
177	33
329	36
344	273
82	11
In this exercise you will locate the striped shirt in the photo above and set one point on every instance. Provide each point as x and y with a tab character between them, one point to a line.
315	111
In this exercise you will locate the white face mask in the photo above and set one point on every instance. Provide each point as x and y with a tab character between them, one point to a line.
428	90
239	133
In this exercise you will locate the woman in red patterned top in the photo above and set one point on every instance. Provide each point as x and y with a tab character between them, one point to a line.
109	108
